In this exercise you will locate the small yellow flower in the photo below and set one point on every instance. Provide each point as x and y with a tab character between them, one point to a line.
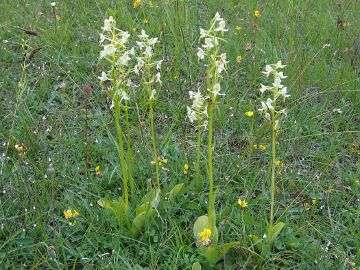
205	237
57	17
137	3
68	214
75	214
238	28
279	163
249	114
238	58
261	147
146	21
161	161
313	201
97	170
346	24
243	203
21	148
186	168
257	13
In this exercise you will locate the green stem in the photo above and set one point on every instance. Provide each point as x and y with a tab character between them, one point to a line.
273	163
124	174
211	211
198	184
121	151
129	156
151	112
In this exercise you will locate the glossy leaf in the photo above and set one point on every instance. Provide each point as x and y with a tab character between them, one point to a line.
275	230
177	190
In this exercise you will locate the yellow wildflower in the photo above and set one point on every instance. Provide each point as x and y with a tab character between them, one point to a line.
257	13
238	58
261	147
57	17
313	201
137	3
346	24
161	161
21	148
238	28
249	114
68	214
97	170
75	214
204	236
279	163
243	203
186	168
146	21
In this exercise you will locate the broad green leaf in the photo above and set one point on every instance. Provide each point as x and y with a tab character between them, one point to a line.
257	242
177	190
139	222
202	223
275	230
211	254
117	207
143	208
196	266
150	196
215	253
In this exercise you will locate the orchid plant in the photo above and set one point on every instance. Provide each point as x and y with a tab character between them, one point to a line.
272	108
202	111
126	63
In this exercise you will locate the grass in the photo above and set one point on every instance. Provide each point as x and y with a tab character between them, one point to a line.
318	144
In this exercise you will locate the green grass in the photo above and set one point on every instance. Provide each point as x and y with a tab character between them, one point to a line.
319	146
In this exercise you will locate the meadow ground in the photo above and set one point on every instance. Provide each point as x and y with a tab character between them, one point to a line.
48	54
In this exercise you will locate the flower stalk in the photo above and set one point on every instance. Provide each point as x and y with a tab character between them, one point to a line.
273	113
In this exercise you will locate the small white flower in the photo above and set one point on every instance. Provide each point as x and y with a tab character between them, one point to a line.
264	88
201	53
123	95
208	43
152	95
279	65
268	70
280	75
217	17
148	52
203	33
124	59
191	114
153	41
143	35
103	77
221	27
53	4
277	83
216	90
283	92
266	105
108	50
158	77
158	65
124	37
108	24
339	111
102	38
